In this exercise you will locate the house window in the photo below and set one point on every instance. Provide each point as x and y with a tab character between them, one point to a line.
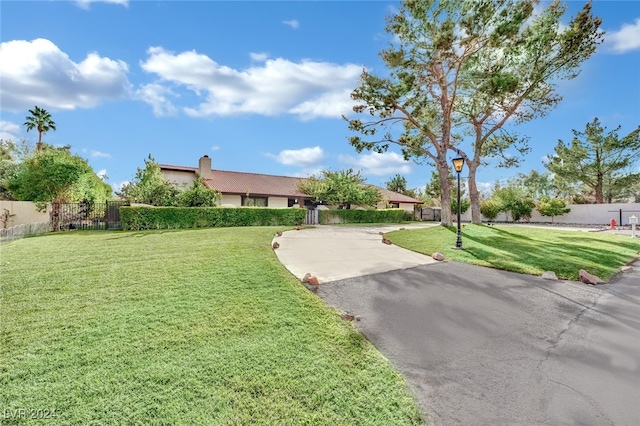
255	201
394	205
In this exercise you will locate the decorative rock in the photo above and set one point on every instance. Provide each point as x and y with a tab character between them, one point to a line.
550	275
313	281
385	241
347	316
275	245
626	268
306	277
297	228
587	278
438	256
380	233
402	229
279	234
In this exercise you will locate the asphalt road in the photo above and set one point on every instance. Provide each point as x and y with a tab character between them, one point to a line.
486	347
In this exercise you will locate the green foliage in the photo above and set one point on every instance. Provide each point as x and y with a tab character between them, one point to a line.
490	208
340	188
601	162
326	217
150	187
468	68
198	195
513	202
137	218
464	205
40	120
536	185
552	207
56	175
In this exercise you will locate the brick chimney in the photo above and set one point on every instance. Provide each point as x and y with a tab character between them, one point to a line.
204	167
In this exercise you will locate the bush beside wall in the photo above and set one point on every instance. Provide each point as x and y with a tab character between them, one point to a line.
328	217
138	218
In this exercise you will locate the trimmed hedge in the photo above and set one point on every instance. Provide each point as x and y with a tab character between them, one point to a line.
137	218
328	217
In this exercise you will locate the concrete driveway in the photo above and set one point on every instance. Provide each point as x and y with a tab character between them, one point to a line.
485	347
333	253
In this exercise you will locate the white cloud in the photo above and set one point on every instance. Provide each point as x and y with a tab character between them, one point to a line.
308	89
625	39
9	130
117	187
155	95
379	164
84	4
304	157
38	73
259	57
102	174
293	23
99	154
215	148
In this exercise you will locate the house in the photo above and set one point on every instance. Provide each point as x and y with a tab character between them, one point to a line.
261	190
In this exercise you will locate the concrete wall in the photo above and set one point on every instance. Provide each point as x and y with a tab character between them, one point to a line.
24	212
586	214
409	206
278	202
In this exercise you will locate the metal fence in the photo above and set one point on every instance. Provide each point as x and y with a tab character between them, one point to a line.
67	216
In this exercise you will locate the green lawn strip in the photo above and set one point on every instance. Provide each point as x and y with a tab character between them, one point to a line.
526	250
181	327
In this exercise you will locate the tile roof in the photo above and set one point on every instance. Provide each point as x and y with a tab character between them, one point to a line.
260	184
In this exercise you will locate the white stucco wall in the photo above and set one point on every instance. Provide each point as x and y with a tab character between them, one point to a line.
278	202
407	207
23	212
179	177
235	200
588	214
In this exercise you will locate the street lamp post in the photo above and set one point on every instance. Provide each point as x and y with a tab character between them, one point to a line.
458	163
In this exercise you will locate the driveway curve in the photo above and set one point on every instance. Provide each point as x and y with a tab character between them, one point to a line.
331	252
480	346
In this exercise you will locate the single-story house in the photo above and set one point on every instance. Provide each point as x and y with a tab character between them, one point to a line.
261	190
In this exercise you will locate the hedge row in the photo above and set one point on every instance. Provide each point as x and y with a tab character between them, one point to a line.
328	217
137	218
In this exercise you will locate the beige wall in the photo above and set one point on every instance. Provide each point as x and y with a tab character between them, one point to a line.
404	206
179	177
24	211
234	200
277	202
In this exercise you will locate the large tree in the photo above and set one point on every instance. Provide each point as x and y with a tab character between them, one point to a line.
464	68
600	161
150	187
56	175
40	120
341	188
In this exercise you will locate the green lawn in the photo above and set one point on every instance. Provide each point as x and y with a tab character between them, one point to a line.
181	327
526	250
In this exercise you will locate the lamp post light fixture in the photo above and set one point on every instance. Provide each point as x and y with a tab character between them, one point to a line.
458	163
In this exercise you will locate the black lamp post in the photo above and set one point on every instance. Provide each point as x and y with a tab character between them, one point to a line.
458	163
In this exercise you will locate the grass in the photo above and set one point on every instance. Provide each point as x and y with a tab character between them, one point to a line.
526	250
180	327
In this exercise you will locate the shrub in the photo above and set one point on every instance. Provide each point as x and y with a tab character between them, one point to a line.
137	218
552	207
327	217
490	209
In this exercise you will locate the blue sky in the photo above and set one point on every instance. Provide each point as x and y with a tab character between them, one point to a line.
258	86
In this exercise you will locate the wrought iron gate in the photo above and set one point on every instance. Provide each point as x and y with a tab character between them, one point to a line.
66	216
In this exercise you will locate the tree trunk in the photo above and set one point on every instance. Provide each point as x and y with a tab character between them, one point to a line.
474	195
599	196
445	191
39	144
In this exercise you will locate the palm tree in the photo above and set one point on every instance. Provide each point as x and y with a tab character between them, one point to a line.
41	120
